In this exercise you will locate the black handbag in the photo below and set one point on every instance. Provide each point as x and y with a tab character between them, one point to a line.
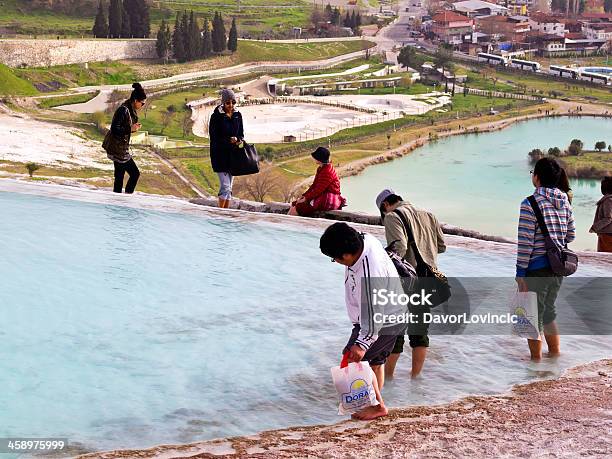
563	261
436	282
244	160
117	147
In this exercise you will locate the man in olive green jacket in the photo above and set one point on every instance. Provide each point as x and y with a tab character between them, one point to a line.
430	242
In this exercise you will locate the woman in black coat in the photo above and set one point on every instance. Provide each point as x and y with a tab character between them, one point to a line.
226	133
125	121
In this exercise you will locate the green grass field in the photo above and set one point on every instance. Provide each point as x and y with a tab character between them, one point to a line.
152	119
257	51
55	78
590	164
478	81
253	16
50	102
12	85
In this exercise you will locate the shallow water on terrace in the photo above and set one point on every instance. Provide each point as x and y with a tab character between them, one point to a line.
130	328
478	181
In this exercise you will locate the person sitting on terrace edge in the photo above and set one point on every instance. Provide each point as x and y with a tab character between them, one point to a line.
324	193
602	225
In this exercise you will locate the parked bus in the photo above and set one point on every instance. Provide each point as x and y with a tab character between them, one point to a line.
525	65
493	59
564	71
596	78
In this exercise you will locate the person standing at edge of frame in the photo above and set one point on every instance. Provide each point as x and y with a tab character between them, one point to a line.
533	269
602	225
226	132
125	122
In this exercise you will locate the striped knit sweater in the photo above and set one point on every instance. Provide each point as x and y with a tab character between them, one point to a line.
559	218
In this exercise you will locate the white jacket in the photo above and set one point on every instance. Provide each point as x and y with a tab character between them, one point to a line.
373	263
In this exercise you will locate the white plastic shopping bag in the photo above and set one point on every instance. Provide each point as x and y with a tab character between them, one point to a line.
524	306
354	386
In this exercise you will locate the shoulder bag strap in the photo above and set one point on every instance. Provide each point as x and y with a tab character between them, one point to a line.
129	116
538	214
410	234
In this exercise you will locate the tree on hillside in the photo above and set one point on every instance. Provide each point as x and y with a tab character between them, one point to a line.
407	57
187	123
100	28
144	30
206	39
167	116
329	12
575	147
232	41
138	11
219	39
317	16
535	155
599	146
185	35
194	40
443	58
126	24
178	43
164	41
115	18
31	168
335	18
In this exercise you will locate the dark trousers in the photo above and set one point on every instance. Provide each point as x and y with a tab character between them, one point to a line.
133	173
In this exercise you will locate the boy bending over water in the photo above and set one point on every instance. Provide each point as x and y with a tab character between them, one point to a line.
366	263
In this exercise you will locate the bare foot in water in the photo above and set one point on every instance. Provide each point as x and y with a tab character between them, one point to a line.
371	412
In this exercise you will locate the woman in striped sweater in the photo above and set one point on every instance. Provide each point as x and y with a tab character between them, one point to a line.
533	271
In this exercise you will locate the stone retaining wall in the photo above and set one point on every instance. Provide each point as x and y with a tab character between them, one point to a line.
340	215
47	52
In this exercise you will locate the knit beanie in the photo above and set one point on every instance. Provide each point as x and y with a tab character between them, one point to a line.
138	93
227	95
321	154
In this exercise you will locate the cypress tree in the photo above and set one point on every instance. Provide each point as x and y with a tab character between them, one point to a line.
185	35
218	34
206	39
232	41
194	39
126	26
145	19
353	21
358	20
329	12
100	28
347	20
115	18
178	44
222	34
162	45
138	11
336	16
129	10
215	33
